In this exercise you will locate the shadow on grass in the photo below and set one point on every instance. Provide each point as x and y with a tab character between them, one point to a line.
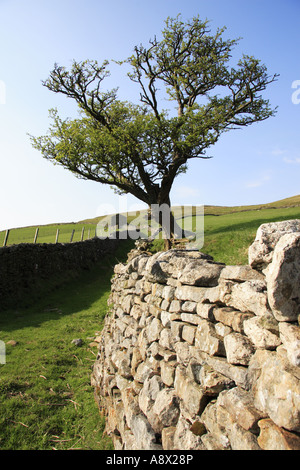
251	225
72	295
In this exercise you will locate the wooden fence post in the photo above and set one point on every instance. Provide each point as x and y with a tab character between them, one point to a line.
57	233
72	235
6	237
36	235
82	233
89	233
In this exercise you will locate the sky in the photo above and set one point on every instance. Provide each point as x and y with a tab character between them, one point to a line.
253	165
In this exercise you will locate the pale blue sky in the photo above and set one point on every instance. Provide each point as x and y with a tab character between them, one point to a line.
255	165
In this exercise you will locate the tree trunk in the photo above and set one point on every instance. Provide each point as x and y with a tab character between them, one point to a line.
162	214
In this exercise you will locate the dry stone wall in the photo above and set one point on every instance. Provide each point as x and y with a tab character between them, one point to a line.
196	355
24	268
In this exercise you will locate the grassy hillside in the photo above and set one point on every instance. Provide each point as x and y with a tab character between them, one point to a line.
46	398
227	238
216	217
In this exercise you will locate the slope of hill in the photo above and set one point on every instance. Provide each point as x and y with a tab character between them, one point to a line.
220	218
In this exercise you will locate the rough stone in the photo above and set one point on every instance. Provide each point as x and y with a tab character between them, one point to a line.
241	274
249	296
184	438
262	249
275	387
290	336
188	334
166	407
231	317
213	382
240	406
207	340
154	330
283	278
272	437
263	331
239	349
201	273
191	394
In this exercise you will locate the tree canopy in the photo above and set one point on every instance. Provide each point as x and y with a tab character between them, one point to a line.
140	148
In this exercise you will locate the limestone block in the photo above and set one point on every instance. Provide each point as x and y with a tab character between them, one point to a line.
182	352
231	318
201	273
218	438
166	339
272	437
222	330
240	406
153	330
136	359
275	385
122	363
239	438
130	402
283	278
167	438
241	273
213	382
190	318
290	336
176	330
168	372
143	433
166	407
168	293
191	394
144	370
175	306
184	438
207	340
188	334
192	293
267	236
147	396
263	331
249	296
205	311
127	303
239	349
165	318
189	307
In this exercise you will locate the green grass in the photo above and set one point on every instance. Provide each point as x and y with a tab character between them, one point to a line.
46	399
47	233
228	237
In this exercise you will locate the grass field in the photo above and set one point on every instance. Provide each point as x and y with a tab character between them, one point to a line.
228	231
228	237
46	400
47	233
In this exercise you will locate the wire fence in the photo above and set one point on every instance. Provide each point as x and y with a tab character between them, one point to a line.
48	234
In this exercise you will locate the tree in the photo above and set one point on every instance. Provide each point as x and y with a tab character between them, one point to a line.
141	148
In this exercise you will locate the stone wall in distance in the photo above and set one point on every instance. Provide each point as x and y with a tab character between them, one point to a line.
25	267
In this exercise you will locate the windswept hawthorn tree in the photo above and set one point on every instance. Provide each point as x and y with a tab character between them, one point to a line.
141	148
